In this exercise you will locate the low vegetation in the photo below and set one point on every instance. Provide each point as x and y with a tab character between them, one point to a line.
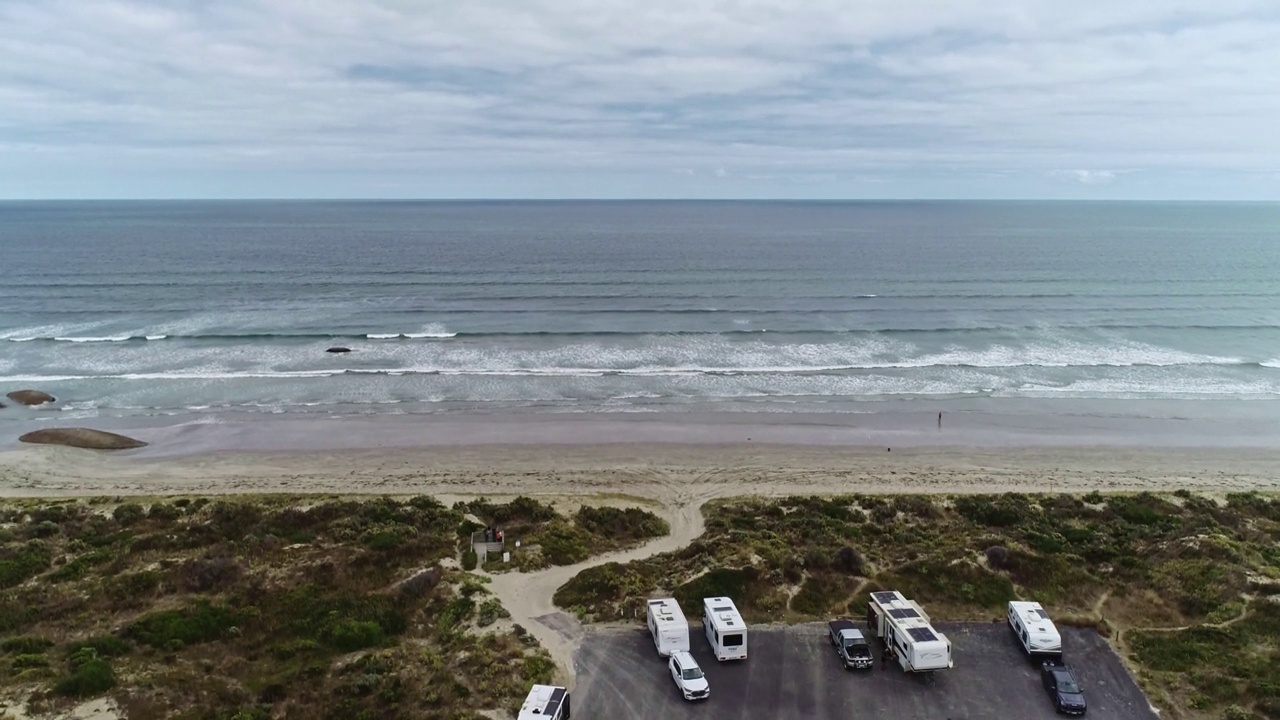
1137	567
279	607
548	538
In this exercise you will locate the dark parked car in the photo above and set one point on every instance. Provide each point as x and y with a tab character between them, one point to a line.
1061	684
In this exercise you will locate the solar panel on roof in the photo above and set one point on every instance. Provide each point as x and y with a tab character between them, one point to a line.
921	634
885	596
553	704
901	613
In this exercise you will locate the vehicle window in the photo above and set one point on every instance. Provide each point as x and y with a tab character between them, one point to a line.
1067	684
734	640
692	673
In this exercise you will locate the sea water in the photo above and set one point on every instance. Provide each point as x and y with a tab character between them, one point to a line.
172	308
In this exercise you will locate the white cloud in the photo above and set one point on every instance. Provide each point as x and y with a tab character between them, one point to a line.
564	90
1090	177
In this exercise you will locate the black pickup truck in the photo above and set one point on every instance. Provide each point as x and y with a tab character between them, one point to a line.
851	645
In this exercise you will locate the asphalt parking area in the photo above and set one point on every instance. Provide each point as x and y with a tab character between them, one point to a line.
793	672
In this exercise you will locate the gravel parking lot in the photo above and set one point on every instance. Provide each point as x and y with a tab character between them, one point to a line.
793	672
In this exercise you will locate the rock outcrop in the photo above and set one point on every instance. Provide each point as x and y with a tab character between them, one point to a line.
30	397
338	350
81	438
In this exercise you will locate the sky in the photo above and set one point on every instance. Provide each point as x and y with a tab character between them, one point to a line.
1093	99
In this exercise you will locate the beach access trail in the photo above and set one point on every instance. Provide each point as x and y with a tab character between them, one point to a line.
528	596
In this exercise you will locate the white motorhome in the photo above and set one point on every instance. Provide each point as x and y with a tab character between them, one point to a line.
668	626
1035	631
545	702
904	627
725	629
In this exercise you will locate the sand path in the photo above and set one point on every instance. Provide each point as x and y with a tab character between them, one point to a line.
528	596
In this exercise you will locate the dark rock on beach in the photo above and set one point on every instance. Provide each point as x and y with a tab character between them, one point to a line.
81	438
338	350
30	397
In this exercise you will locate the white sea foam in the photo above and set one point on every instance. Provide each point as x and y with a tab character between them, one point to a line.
109	338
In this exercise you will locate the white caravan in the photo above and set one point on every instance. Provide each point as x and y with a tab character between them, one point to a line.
545	702
1039	638
904	627
667	625
724	628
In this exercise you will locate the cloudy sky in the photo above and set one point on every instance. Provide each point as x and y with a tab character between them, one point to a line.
640	98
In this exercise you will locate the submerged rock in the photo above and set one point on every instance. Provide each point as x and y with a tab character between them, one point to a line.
30	397
81	438
338	350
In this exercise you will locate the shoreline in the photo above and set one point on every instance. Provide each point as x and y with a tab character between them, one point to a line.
664	474
1005	426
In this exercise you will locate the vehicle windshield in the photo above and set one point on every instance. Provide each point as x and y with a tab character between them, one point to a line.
1068	686
692	673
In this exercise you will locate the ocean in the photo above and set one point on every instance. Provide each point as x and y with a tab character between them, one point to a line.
163	309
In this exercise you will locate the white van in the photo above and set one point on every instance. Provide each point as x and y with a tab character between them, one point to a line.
1034	630
545	702
725	629
668	627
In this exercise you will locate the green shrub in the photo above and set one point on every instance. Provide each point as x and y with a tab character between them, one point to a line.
470	560
103	645
45	528
17	565
627	524
821	595
79	567
1199	586
198	623
961	582
850	561
25	645
918	506
743	585
521	509
489	612
28	661
597	589
564	544
455	613
352	635
246	713
90	675
128	513
293	648
1182	650
164	512
1002	511
131	587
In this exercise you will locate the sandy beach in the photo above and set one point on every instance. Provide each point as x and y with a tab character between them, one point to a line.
663	474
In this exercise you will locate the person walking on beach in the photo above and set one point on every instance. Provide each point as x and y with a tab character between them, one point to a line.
939	419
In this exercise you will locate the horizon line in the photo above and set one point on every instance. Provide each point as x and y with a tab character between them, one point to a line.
643	200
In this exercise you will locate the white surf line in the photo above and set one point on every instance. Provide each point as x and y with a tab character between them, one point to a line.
528	596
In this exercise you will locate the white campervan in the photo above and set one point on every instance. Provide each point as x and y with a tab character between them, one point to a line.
667	625
724	628
1035	631
545	702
